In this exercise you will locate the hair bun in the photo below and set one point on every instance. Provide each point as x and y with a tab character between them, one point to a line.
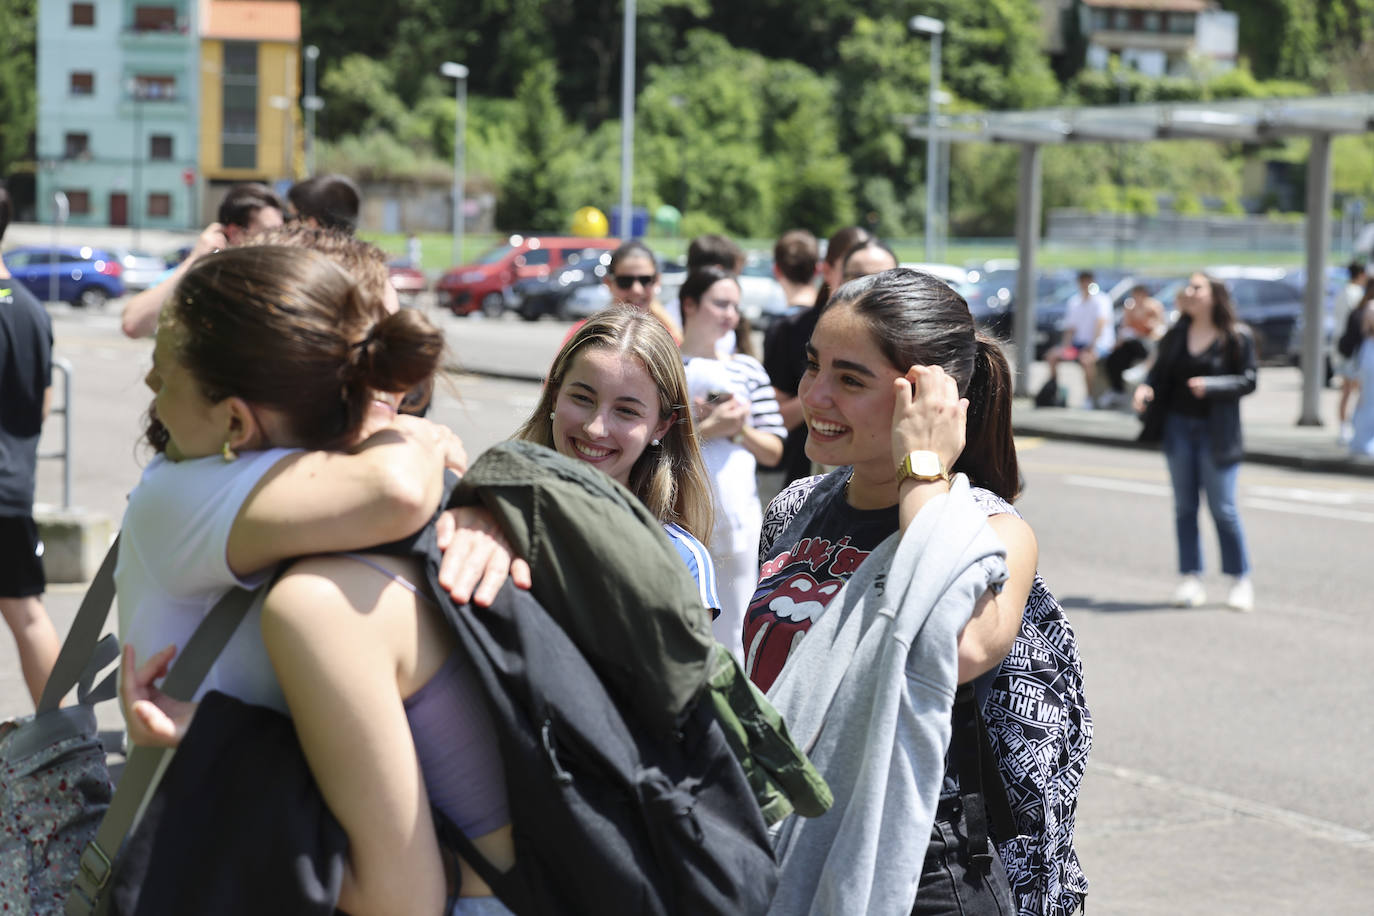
396	353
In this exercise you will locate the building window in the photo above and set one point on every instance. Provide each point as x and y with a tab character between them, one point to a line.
83	14
155	19
160	146
1152	22
159	204
1181	23
239	104
155	88
82	83
78	202
76	145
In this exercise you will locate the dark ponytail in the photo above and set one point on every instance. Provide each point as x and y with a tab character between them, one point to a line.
989	456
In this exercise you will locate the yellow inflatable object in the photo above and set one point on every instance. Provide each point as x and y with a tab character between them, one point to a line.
589	222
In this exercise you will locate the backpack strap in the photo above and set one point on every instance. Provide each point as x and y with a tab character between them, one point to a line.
982	794
83	651
145	763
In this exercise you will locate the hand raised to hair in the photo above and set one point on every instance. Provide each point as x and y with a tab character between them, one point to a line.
477	557
154	719
928	415
211	238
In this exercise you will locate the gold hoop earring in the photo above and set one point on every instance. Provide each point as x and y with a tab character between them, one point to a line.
227	453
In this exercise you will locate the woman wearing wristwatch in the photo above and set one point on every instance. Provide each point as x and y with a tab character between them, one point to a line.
900	391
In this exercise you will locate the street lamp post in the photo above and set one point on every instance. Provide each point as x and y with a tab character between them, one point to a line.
627	120
927	25
459	74
135	203
312	104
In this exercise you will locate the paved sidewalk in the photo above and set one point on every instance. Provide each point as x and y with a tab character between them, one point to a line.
1269	420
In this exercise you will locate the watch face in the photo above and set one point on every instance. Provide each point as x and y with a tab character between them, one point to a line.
925	464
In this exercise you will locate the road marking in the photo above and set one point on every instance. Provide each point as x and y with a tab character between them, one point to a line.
1347	515
1121	486
1301	494
1244	807
1271	505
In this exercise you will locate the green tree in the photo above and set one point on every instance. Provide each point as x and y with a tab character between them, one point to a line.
535	193
17	95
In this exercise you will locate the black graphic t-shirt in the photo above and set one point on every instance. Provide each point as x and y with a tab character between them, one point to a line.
808	550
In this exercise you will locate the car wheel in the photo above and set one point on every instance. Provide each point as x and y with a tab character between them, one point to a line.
92	297
493	305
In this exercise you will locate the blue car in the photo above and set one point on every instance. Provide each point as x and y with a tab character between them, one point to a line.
86	277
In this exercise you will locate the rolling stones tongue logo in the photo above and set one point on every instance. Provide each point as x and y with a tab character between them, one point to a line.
786	612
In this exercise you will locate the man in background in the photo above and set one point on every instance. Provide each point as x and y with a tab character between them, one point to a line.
1347	300
25	396
327	201
1089	334
247	209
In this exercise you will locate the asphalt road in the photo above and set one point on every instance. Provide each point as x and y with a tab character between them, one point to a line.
1230	772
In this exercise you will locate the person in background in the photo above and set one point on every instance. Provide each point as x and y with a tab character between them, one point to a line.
795	256
633	279
1142	325
1205	365
718	250
1347	300
25	396
1361	367
1089	334
413	251
616	398
740	428
784	351
327	201
247	209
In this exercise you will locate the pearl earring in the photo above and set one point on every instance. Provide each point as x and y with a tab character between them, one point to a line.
655	442
550	414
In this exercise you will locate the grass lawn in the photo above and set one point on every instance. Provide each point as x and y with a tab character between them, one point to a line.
437	252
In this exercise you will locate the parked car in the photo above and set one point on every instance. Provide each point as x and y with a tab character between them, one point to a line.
141	268
487	284
950	273
535	297
86	277
761	299
1267	299
408	281
586	301
991	295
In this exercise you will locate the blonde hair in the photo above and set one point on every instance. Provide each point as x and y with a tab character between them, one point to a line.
670	478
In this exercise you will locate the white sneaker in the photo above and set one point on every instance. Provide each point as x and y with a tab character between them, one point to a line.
1346	433
1242	595
1190	592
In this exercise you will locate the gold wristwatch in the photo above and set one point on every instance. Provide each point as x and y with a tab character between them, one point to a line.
922	465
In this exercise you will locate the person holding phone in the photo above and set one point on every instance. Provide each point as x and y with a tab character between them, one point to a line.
740	427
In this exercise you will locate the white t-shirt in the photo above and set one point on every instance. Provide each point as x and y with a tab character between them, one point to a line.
173	566
1082	316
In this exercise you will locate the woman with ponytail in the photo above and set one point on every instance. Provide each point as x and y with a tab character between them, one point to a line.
901	392
272	366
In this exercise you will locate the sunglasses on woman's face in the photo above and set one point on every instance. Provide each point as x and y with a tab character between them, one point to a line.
627	281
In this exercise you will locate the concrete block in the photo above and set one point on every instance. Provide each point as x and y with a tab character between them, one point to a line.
74	542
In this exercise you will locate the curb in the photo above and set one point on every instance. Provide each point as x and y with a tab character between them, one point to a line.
1360	467
510	375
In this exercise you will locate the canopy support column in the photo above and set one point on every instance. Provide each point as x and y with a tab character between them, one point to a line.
1027	243
1314	305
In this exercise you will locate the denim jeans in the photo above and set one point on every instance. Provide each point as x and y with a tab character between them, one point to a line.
948	887
1188	450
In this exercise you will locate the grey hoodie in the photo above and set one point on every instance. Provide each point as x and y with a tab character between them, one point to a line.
867	694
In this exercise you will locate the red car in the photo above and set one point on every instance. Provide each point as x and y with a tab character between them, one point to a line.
406	280
485	285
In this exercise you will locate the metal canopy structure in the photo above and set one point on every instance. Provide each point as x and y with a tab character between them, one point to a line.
1247	120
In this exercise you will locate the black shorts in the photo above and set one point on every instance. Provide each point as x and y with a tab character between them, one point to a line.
21	557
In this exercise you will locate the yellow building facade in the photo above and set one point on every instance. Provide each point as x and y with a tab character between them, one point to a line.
250	119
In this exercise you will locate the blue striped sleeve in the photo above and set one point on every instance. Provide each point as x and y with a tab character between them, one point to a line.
698	562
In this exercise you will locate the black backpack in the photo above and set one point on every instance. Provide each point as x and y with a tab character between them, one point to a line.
1353	334
610	812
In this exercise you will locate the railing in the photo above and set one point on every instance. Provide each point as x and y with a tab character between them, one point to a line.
65	453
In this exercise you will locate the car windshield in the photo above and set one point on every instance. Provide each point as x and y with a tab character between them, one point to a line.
496	254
